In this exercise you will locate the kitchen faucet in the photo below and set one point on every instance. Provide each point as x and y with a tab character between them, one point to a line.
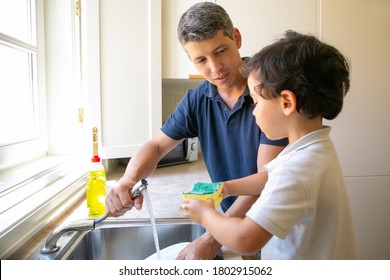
85	224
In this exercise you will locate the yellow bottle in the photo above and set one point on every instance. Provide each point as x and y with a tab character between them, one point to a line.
96	184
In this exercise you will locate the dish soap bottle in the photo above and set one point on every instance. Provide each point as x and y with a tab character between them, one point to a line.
96	182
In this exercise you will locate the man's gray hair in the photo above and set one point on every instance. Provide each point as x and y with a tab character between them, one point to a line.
201	21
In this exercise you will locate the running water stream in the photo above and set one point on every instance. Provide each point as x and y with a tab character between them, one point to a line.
153	221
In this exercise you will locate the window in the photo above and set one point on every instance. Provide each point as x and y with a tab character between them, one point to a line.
21	114
39	100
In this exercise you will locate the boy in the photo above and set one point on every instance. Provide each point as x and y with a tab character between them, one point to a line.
303	211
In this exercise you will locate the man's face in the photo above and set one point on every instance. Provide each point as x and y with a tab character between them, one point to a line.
217	59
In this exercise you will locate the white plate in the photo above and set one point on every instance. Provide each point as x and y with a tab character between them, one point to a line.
169	253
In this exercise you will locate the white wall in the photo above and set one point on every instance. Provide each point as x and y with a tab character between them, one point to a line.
361	30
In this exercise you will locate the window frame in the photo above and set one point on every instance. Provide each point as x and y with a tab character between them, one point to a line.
13	154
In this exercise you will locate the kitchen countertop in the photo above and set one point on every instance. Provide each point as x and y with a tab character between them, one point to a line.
165	191
165	188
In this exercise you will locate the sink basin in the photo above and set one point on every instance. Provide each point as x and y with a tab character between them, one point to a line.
134	242
123	240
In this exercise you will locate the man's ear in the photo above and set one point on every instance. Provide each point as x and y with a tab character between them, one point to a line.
237	37
288	102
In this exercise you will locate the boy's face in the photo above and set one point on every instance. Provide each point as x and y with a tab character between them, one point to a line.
267	112
217	59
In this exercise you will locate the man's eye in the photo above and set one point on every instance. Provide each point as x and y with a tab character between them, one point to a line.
220	51
200	61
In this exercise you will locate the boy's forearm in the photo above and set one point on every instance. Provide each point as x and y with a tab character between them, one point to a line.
238	209
241	206
250	185
253	184
218	225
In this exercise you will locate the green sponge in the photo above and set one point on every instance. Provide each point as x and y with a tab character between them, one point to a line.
205	191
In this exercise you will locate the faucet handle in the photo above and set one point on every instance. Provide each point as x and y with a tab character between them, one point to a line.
138	188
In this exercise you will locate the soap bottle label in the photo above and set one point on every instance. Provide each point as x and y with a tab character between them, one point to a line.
96	193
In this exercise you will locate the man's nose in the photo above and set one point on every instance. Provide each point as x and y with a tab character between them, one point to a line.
216	65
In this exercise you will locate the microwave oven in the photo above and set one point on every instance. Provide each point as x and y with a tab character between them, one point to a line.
186	151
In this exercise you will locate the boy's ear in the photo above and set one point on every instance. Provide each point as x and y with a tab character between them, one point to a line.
288	102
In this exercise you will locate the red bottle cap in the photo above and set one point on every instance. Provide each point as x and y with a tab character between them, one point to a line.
95	158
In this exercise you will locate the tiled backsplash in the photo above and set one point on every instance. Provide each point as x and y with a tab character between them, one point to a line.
173	91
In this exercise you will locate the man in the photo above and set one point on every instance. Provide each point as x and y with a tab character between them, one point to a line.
218	112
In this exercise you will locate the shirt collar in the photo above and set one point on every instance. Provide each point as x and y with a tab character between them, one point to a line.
212	93
307	140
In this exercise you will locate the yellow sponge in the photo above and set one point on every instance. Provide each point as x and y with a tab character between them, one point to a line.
204	191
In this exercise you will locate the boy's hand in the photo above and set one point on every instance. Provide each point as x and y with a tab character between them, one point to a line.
195	209
225	190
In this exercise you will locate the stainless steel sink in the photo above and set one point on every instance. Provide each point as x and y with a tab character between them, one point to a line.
134	242
122	240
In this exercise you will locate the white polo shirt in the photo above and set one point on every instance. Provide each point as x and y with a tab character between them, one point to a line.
304	204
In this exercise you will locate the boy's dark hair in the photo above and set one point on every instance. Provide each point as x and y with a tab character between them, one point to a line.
317	73
201	21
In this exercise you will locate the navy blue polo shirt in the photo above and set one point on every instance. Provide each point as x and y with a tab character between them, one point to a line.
229	139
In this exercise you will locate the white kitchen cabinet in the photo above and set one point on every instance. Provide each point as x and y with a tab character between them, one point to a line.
369	196
261	21
121	41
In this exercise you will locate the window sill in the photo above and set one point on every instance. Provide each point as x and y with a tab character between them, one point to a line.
34	194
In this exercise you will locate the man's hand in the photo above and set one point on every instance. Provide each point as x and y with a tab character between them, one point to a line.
118	200
204	247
